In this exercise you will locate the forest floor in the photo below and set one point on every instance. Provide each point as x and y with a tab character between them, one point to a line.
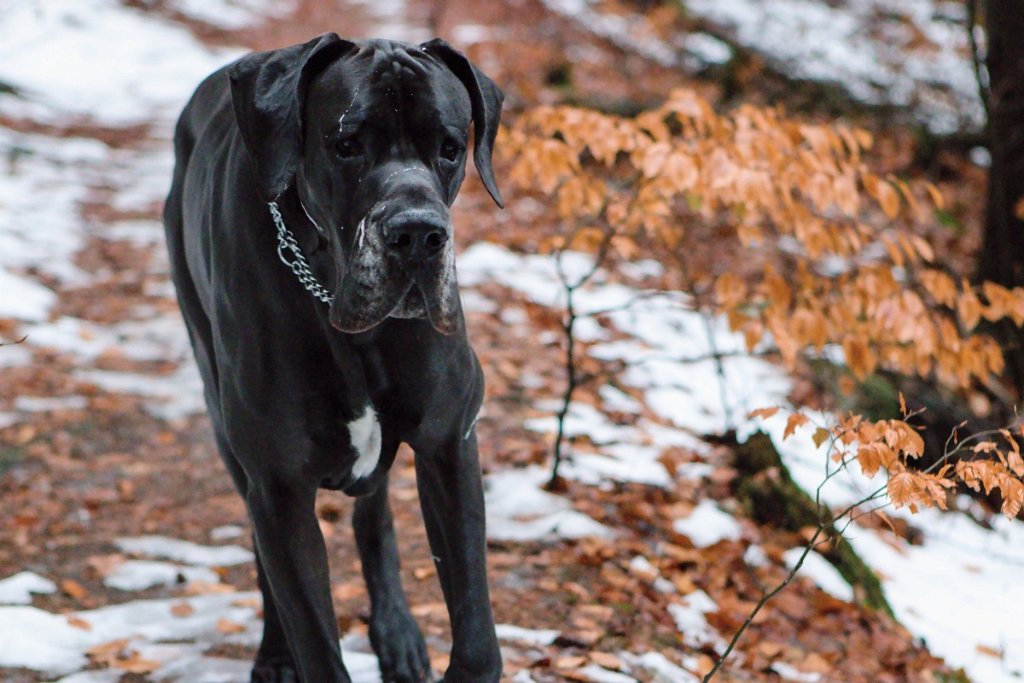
123	540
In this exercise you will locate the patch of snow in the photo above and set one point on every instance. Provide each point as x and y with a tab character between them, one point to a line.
38	404
619	401
138	575
138	67
631	33
18	589
518	510
104	676
174	396
659	666
985	566
234	14
981	157
469	34
34	639
390	20
791	673
228	531
621	454
525	635
24	299
707	525
185	551
13	355
867	47
690	617
708	49
584	420
153	339
599	674
754	556
819	570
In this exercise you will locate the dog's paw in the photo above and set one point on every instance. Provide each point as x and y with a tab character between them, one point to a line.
274	672
400	649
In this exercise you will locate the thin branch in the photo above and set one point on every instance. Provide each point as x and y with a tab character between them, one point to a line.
980	73
569	329
823	527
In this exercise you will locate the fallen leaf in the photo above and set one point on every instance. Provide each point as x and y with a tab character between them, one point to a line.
134	664
73	589
227	626
78	622
182	609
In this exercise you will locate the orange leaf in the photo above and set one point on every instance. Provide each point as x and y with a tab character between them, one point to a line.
73	589
182	609
888	199
228	626
794	421
763	413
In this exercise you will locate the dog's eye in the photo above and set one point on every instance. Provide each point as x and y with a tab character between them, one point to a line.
450	149
348	148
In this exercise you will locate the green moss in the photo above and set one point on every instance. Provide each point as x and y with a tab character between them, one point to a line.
769	495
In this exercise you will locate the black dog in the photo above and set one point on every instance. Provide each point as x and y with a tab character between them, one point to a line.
342	160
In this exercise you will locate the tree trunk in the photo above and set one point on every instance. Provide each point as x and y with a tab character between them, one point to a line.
1002	254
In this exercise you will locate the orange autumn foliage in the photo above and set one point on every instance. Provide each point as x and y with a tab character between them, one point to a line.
781	226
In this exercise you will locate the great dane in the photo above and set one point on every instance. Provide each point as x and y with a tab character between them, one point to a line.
310	238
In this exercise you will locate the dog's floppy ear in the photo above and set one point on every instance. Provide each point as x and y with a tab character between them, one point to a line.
267	93
486	99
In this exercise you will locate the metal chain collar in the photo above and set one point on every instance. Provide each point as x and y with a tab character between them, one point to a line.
298	265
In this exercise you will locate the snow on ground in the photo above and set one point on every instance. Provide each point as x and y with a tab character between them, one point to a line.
184	551
98	59
818	569
978	569
669	348
138	575
518	510
233	14
633	34
707	525
913	53
18	589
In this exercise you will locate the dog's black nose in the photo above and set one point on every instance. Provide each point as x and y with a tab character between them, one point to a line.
416	237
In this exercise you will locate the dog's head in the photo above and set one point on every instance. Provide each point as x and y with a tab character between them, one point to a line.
373	137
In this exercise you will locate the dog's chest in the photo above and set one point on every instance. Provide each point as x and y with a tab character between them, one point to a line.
365	440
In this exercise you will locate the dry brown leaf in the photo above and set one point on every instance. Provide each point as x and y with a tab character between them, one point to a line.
73	589
78	622
182	609
227	626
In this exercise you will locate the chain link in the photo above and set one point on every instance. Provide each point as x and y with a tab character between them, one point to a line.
298	265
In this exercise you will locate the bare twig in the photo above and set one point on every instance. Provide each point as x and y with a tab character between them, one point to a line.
980	73
573	379
828	522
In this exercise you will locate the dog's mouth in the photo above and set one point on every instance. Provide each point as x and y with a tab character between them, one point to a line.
359	307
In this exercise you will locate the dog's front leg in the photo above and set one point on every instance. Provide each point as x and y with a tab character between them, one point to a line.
451	495
294	558
393	632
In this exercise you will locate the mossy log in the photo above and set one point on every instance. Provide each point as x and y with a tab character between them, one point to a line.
770	496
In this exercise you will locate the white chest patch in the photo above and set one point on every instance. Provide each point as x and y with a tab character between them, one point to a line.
364	435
